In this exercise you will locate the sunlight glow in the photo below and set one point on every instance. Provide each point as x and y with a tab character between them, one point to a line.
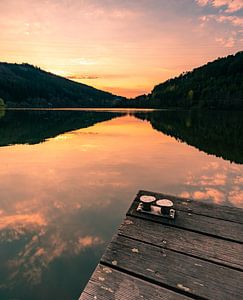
125	47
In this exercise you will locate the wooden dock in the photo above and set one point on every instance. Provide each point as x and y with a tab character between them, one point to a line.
198	255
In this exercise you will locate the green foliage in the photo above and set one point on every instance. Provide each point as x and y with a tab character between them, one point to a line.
2	108
23	85
218	84
2	104
190	95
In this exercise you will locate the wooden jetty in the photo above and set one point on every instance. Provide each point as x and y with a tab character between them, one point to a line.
197	255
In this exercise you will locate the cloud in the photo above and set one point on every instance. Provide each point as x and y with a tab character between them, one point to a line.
228	42
237	21
234	20
82	76
228	6
153	40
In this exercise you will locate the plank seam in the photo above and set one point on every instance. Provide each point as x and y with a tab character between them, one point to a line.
152	281
183	253
180	227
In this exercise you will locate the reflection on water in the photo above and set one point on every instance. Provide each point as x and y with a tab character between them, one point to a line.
35	126
61	200
214	132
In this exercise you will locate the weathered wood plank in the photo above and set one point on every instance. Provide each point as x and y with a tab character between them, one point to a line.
109	284
168	268
198	255
211	226
188	242
199	207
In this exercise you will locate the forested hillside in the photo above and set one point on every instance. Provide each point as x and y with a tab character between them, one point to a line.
218	84
23	85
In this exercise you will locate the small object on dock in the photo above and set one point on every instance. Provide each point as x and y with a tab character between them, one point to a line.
166	205
161	207
153	257
147	201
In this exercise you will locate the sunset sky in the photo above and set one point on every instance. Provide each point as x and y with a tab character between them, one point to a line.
122	46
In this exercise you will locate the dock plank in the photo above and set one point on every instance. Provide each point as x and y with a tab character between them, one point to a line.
188	242
174	270
198	223
109	284
198	255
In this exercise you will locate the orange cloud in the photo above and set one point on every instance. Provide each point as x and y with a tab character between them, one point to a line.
80	76
231	5
26	219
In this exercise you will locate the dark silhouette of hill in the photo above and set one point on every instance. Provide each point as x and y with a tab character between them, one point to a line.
215	132
23	85
35	126
216	85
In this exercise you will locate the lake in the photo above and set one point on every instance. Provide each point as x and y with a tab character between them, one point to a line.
68	177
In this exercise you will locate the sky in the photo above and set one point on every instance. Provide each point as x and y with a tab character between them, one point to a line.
122	46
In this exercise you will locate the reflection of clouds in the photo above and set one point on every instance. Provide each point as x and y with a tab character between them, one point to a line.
238	180
12	221
217	182
57	200
42	249
86	242
211	165
236	197
213	194
211	180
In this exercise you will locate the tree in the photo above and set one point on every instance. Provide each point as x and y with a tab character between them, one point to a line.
2	104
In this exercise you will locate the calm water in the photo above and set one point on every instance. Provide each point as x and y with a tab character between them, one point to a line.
68	177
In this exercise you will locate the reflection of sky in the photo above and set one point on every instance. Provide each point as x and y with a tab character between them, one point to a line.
65	197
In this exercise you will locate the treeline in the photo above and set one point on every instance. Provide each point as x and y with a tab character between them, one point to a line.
23	85
216	85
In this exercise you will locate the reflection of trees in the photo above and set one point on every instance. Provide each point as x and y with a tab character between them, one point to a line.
32	127
2	113
215	132
2	108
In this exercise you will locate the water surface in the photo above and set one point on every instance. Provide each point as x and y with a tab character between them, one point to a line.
68	177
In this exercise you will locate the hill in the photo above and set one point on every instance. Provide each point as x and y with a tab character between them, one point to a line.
23	85
216	85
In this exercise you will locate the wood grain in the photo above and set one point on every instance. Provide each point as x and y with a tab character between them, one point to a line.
199	223
178	271
190	243
109	284
198	255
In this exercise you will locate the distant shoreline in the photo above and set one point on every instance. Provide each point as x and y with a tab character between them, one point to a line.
84	109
